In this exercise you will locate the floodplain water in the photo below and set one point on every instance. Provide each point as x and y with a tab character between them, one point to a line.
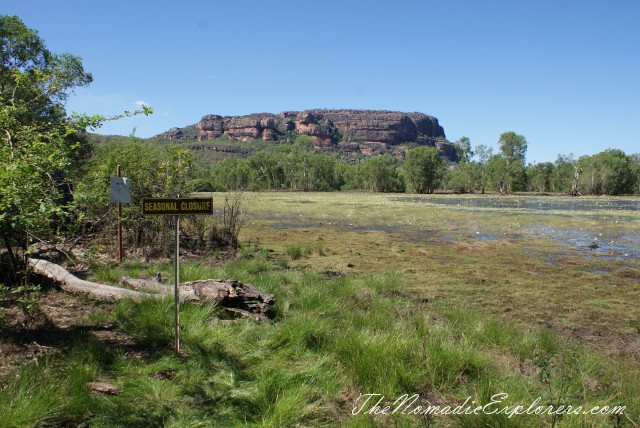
619	243
548	205
606	227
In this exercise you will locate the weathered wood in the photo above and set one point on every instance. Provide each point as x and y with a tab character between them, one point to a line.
104	387
72	284
243	314
229	293
147	284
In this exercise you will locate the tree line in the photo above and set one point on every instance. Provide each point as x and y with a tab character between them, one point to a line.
300	167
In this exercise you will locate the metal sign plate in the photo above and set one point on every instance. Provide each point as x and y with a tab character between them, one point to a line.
120	190
177	206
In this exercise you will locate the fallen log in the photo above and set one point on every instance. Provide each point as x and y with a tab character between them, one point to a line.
239	298
72	284
229	293
148	284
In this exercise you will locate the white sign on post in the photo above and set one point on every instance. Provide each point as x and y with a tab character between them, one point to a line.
120	190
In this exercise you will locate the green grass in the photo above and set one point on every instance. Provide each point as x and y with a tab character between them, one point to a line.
298	251
357	312
32	397
330	337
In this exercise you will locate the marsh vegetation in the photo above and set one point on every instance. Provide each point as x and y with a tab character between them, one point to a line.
386	294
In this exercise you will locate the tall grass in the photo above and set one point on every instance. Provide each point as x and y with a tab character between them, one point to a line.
331	340
30	398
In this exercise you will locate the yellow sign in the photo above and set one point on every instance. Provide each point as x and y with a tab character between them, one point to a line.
177	206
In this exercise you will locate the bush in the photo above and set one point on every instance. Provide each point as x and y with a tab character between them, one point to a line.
154	171
226	233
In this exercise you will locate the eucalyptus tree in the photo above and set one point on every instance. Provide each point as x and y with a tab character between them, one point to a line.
564	173
497	173
513	148
465	169
611	172
424	169
379	174
267	170
484	154
540	176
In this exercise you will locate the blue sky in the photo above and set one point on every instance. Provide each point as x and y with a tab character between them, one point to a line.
565	74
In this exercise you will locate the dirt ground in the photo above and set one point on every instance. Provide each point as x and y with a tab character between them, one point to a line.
50	330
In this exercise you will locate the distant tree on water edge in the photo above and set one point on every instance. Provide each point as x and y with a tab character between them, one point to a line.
424	169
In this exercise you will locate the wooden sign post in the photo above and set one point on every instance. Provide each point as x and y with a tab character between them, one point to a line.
177	207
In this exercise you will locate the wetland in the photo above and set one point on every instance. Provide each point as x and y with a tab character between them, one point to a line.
451	299
525	258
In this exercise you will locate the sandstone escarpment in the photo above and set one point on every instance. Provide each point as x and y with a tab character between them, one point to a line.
383	127
355	132
255	126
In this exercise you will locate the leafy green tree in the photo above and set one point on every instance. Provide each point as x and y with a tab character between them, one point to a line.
513	148
267	171
379	174
34	145
289	159
635	158
30	72
540	176
38	143
301	168
296	167
484	154
317	172
461	177
497	173
563	173
303	143
347	176
464	177
463	147
456	179
424	169
203	180
296	162
611	172
232	174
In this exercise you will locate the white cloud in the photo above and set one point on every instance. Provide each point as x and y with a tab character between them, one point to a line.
212	76
85	101
141	103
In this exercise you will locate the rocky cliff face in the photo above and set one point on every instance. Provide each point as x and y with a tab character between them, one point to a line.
368	132
255	126
386	128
